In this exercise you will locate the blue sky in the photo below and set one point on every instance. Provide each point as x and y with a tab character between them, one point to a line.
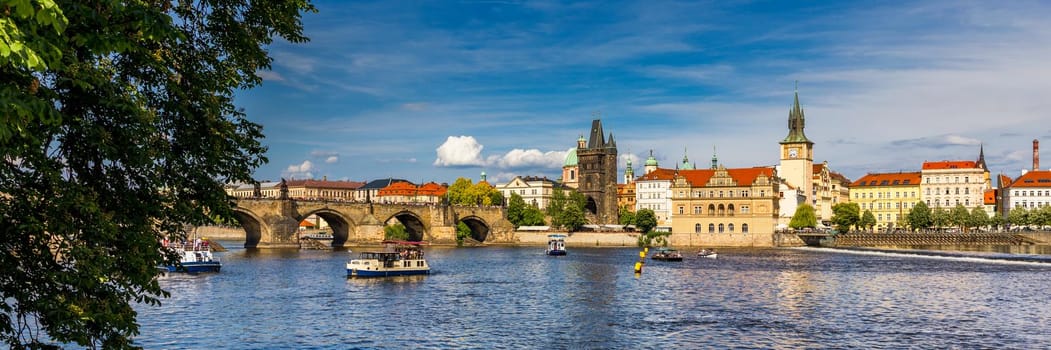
432	91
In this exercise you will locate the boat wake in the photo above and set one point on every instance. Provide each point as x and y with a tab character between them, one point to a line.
980	257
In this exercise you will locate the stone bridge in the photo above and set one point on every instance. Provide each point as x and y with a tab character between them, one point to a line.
274	223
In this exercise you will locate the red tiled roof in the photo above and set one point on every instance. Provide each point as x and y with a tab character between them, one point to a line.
743	176
658	174
888	179
1005	181
840	177
1038	178
950	164
990	197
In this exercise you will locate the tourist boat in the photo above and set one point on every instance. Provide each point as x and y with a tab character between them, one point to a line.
666	254
194	257
707	253
556	245
398	258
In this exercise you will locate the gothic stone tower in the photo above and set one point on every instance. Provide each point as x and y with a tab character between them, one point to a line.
597	163
797	154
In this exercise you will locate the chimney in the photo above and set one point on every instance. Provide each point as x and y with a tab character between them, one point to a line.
1036	154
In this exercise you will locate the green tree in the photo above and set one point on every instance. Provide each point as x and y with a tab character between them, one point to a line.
118	127
496	197
919	216
1040	216
516	210
556	206
868	221
959	217
572	217
1018	216
395	232
532	216
458	192
804	217
845	216
978	218
462	232
645	220
940	218
997	221
627	217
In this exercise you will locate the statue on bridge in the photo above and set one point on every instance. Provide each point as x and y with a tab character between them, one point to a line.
284	189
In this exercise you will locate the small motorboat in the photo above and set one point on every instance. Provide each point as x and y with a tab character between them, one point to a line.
666	254
556	245
194	257
707	253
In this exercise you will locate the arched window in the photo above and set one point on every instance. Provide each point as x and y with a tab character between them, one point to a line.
744	228
730	227
721	227
711	209
730	211
711	228
696	228
722	210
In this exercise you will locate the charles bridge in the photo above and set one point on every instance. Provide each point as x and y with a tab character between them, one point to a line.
274	223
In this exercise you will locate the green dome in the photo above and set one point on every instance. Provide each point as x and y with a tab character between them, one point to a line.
651	161
571	158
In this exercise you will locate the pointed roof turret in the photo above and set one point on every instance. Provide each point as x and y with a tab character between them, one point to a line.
715	160
796	123
612	143
597	139
685	161
981	157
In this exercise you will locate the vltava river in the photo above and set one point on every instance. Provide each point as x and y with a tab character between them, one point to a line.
518	298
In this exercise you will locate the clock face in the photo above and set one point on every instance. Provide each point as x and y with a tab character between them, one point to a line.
792	153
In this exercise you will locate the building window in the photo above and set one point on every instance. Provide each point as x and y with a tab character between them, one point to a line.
696	210
744	209
681	210
722	211
711	209
696	228
730	211
730	227
721	228
711	228
744	228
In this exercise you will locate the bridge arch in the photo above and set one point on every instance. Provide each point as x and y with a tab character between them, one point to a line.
341	225
479	228
252	224
414	225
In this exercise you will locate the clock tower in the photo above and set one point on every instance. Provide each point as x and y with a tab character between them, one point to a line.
797	154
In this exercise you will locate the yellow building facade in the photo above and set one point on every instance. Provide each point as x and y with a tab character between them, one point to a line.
889	196
722	206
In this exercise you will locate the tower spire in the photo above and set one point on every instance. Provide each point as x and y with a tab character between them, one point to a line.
796	122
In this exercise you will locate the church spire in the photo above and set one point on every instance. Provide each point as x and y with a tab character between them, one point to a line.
981	157
715	161
796	122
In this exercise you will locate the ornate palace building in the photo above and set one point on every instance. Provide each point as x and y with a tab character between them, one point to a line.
720	203
597	166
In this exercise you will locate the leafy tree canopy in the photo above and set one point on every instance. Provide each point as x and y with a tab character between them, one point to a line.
919	216
627	217
645	220
805	216
118	126
396	232
845	216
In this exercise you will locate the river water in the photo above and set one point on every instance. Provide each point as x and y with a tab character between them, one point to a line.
518	298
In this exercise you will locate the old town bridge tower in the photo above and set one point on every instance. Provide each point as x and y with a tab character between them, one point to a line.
597	163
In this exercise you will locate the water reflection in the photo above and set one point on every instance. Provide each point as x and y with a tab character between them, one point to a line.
500	297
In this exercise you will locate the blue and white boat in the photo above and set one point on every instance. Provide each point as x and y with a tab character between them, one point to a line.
194	258
397	259
556	245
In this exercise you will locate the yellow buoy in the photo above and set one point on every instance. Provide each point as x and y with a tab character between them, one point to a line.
642	254
638	267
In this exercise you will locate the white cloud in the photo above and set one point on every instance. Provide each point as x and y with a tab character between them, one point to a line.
300	171
269	75
332	159
458	151
529	158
